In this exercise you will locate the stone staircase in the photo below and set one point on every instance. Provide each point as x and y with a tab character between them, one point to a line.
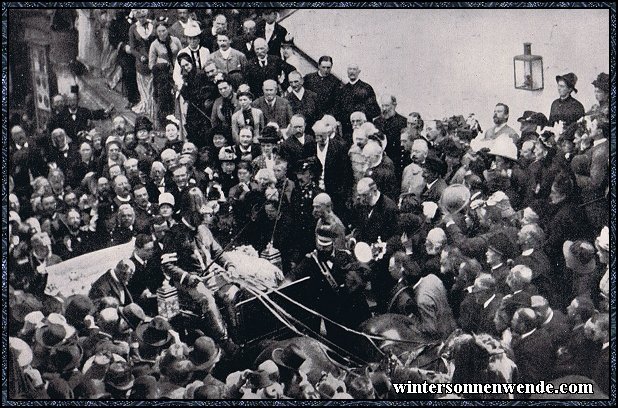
95	94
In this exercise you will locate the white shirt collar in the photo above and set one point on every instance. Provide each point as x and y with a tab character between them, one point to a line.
605	345
300	94
499	127
489	301
140	260
528	252
354	82
523	336
431	184
18	147
493	268
551	316
301	139
417	283
598	142
517	291
226	54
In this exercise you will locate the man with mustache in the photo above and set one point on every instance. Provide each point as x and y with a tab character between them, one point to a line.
501	116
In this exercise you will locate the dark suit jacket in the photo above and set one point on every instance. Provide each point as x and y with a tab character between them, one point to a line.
532	357
337	174
274	44
386	179
72	126
145	276
291	150
326	90
392	128
381	221
474	317
66	161
281	113
558	328
255	75
240	43
308	107
25	161
358	97
509	305
106	285
434	192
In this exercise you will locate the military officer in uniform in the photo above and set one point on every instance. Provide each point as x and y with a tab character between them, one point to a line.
327	268
307	172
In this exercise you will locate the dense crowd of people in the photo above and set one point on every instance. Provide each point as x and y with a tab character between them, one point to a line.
501	232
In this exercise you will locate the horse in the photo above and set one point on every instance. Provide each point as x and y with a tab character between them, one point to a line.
398	335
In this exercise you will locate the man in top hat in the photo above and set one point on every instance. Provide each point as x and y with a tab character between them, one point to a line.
500	249
290	360
601	94
566	108
114	283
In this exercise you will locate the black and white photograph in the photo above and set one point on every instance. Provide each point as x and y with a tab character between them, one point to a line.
326	203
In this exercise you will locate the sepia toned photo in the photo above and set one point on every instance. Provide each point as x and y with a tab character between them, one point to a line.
308	203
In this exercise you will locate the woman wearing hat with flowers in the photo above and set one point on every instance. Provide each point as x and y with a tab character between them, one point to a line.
566	108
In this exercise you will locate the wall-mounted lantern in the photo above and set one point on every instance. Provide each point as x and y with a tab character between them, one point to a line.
528	70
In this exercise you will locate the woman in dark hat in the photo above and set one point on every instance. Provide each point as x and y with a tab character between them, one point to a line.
196	89
566	108
601	93
545	168
269	138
